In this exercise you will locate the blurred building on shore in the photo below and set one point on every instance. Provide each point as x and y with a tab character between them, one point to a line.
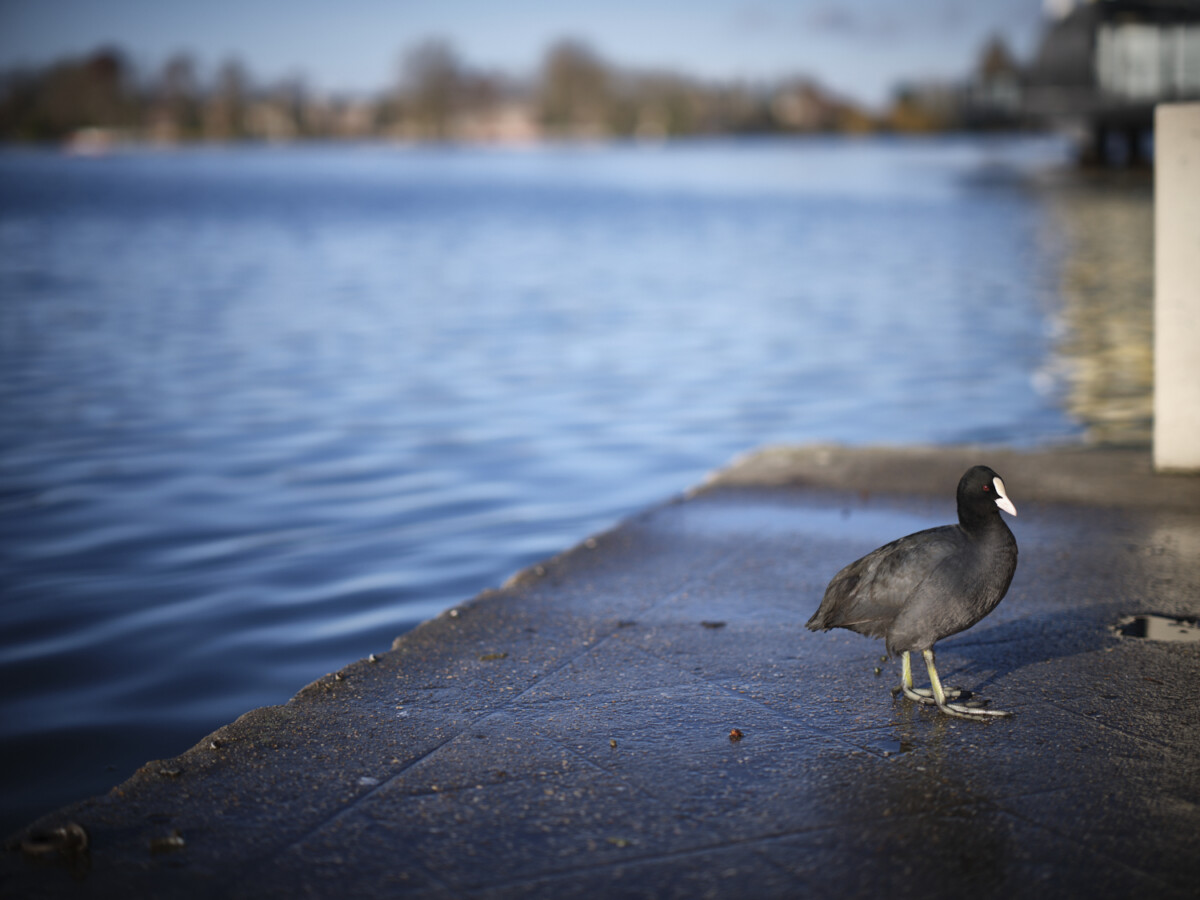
1102	66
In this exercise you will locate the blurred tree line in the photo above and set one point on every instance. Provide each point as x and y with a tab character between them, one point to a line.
575	94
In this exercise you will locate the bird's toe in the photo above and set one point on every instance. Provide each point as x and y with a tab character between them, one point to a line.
973	711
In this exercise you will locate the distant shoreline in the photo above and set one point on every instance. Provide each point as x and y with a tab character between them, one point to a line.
99	141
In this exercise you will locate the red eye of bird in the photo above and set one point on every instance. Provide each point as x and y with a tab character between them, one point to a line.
986	488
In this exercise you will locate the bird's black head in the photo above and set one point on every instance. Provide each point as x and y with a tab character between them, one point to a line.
981	493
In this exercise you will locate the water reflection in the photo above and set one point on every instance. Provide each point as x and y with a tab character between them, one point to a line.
1107	294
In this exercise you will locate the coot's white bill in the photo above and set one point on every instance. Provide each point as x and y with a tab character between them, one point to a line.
1002	500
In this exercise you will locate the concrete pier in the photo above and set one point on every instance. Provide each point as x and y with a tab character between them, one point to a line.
646	716
1177	287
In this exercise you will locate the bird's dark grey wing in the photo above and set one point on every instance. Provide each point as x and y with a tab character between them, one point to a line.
867	595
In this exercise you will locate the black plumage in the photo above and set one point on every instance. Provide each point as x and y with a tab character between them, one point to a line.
926	586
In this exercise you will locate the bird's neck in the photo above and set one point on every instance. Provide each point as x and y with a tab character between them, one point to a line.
979	526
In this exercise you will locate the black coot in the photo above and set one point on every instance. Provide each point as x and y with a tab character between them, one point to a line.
919	589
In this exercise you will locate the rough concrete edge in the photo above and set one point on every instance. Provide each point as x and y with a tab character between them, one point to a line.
260	717
1084	476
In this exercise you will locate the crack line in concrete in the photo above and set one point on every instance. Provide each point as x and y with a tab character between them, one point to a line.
506	706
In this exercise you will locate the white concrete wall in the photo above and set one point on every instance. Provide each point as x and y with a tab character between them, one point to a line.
1177	287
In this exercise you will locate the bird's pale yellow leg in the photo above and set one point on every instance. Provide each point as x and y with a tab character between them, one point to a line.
953	709
916	694
906	682
934	682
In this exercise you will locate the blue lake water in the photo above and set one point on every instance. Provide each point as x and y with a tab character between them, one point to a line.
262	410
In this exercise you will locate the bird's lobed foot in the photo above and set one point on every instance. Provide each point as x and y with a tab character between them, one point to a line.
925	695
972	712
969	709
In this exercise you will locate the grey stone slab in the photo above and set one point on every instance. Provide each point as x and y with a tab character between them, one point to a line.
568	734
737	871
965	851
479	834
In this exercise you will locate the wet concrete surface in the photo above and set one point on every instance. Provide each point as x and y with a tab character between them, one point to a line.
569	735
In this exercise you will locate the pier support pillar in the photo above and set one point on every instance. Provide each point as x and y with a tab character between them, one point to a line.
1177	287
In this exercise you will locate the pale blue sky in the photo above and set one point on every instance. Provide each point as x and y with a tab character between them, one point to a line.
860	48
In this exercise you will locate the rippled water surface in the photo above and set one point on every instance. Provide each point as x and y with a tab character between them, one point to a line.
263	410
